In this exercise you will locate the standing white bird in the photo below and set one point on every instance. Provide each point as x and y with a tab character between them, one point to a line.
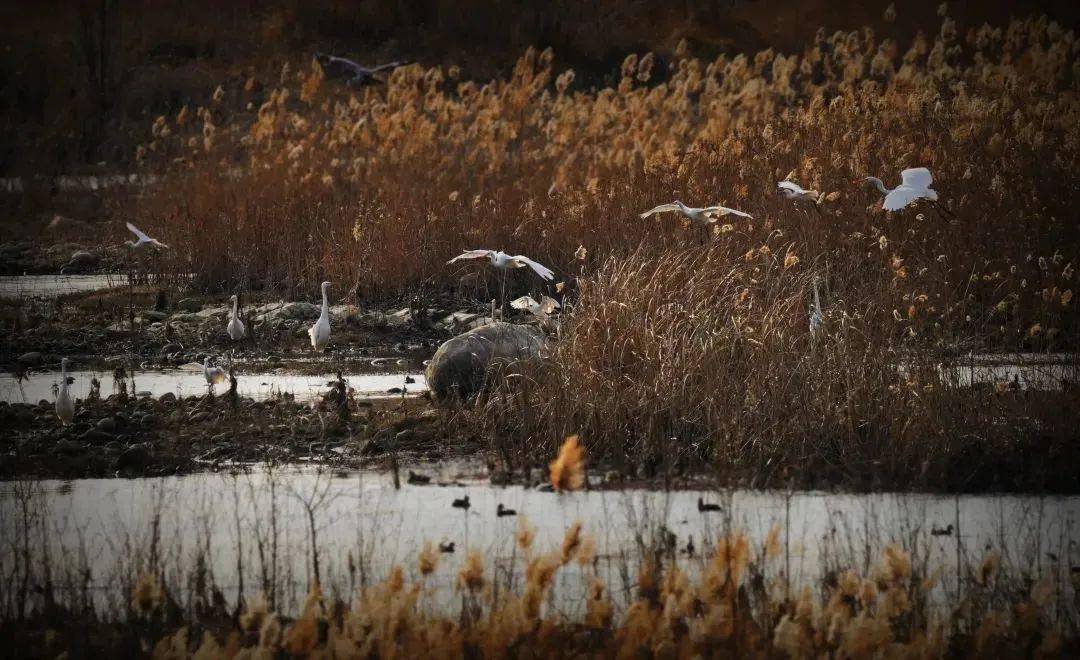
144	240
915	184
816	316
213	375
320	331
505	262
703	217
541	309
235	328
65	406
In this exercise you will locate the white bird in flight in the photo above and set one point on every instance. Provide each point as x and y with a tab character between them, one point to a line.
504	261
235	328
65	406
792	190
213	375
143	241
541	309
915	184
816	316
320	331
702	217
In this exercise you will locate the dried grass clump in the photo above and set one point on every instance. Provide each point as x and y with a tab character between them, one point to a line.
738	606
670	359
568	468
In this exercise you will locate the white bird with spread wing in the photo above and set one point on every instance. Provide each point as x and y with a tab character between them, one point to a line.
320	331
144	240
65	405
235	328
702	217
915	184
541	310
213	375
505	262
792	190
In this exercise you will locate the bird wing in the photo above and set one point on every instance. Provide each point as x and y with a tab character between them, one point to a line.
917	177
158	243
548	304
543	271
663	208
524	302
391	65
340	67
723	210
900	197
790	185
471	254
135	230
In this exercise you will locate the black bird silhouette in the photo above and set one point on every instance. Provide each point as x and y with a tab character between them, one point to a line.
446	547
354	75
941	531
415	478
462	503
704	506
503	511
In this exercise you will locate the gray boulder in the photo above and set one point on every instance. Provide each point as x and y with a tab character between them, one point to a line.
460	366
80	262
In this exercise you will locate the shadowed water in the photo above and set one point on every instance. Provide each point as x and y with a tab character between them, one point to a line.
53	286
108	526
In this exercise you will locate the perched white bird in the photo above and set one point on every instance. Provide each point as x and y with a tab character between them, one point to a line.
320	331
792	190
503	261
65	406
541	309
915	184
816	316
213	375
144	240
236	326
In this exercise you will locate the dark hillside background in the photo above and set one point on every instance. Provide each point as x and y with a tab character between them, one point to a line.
80	82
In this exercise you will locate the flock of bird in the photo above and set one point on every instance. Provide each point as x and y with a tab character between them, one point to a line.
915	184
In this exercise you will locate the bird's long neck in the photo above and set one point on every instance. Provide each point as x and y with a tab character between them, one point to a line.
235	303
817	298
876	182
325	304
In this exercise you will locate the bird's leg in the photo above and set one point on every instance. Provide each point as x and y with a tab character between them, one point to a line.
502	296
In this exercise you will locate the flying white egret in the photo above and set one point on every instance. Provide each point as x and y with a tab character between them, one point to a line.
702	217
795	192
816	316
65	405
235	328
915	184
320	331
213	375
505	262
541	309
354	75
144	240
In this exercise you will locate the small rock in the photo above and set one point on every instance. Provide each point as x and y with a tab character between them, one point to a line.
80	262
199	417
69	447
96	437
170	348
168	397
153	315
107	424
134	457
188	304
149	419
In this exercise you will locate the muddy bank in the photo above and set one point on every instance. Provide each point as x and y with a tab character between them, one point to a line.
126	437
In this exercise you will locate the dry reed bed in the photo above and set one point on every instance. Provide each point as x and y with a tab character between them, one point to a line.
284	182
671	360
738	604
